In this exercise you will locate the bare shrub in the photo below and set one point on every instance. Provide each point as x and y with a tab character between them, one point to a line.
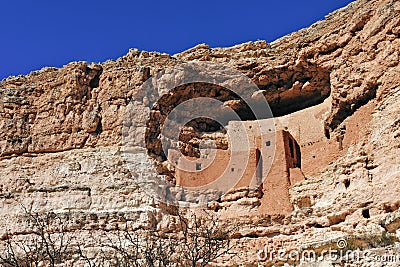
200	238
46	242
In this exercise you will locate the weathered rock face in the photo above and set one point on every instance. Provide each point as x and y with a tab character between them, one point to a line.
352	57
92	182
82	105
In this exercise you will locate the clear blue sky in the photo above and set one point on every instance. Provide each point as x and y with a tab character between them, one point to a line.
42	33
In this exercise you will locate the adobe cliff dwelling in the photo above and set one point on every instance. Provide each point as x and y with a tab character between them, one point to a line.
334	91
266	162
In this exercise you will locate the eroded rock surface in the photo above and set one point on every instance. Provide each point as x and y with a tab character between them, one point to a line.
61	129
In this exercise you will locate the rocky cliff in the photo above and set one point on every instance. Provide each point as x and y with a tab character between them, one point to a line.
61	132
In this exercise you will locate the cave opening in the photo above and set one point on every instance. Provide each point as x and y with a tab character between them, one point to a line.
365	213
346	183
168	102
291	90
94	82
197	134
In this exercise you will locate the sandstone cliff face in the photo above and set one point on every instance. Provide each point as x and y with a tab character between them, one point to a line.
60	130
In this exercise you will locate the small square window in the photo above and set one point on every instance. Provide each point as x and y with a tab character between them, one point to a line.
268	143
198	166
232	169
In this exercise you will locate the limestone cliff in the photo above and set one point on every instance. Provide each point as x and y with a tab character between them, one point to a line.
61	129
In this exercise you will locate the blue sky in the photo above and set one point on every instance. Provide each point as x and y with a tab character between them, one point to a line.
42	33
